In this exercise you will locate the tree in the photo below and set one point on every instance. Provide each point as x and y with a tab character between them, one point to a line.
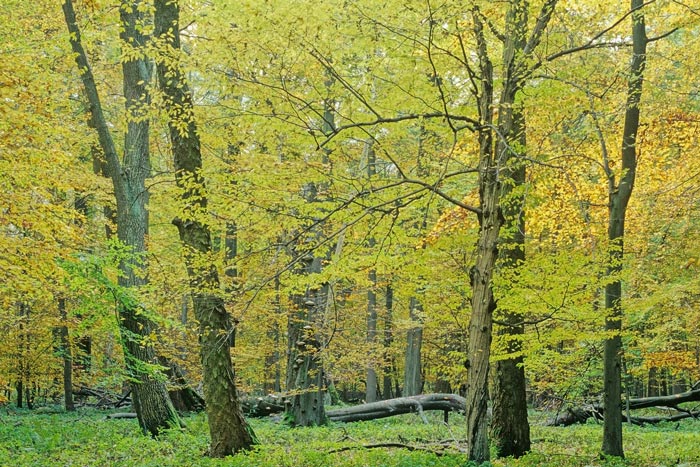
151	401
500	168
619	195
228	429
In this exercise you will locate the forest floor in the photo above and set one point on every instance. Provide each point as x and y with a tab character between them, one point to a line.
87	438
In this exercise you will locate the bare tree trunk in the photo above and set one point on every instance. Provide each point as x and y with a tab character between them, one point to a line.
228	429
387	392
372	385
413	380
619	196
481	319
66	356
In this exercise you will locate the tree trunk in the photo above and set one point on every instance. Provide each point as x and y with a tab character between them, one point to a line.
398	406
387	392
574	415
372	384
228	429
499	170
305	373
618	199
150	396
413	382
481	319
509	425
66	356
305	376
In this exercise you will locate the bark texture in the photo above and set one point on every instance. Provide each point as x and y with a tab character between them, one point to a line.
228	429
500	220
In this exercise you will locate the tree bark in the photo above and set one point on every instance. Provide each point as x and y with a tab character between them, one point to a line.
413	381
388	339
619	196
150	396
510	430
490	220
228	429
66	356
398	406
372	383
499	170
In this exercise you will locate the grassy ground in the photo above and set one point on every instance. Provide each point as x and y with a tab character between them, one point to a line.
86	438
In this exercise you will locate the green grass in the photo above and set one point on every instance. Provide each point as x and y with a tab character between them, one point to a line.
86	438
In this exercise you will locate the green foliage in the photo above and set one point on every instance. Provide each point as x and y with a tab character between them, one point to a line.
88	439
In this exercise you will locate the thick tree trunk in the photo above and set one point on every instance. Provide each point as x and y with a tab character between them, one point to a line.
413	380
497	174
305	376
510	430
228	429
618	199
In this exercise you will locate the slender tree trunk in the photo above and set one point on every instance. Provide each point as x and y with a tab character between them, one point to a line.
413	381
618	199
372	385
228	429
481	319
67	357
387	392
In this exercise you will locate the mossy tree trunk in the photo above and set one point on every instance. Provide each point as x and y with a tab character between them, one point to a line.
228	429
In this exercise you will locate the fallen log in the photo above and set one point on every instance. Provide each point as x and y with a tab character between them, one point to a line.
398	406
275	403
263	406
573	415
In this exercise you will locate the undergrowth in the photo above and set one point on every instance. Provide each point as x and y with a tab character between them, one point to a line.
87	438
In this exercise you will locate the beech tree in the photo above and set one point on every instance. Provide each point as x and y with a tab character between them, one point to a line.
619	194
128	174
